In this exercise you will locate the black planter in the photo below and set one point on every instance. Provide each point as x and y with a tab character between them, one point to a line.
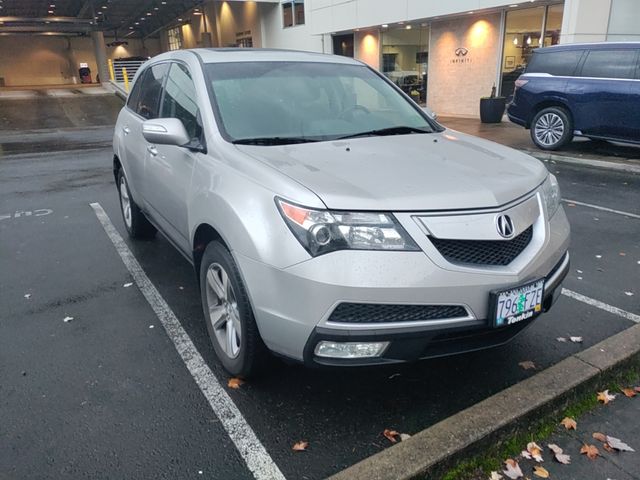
492	109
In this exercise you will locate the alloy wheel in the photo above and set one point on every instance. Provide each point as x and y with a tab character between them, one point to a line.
549	129
223	310
125	202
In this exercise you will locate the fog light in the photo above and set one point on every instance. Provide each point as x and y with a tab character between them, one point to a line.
350	349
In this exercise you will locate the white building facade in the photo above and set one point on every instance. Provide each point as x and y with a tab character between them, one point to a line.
447	54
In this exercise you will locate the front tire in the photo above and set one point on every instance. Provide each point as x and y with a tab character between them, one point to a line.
227	310
137	225
551	128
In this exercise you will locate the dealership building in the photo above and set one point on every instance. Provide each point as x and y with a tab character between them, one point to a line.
447	54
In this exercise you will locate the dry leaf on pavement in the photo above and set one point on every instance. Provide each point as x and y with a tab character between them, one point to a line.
541	472
601	437
590	451
629	392
535	452
608	448
300	446
619	444
576	339
391	435
528	365
569	423
559	454
606	397
561	339
495	476
512	469
235	383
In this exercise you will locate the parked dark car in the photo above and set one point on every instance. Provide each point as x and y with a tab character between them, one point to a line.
590	90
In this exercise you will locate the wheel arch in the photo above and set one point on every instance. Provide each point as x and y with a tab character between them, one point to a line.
550	102
203	235
117	165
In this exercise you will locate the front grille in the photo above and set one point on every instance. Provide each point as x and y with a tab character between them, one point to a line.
483	252
381	313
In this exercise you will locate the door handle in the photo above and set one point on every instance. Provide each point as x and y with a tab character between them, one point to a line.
126	130
152	150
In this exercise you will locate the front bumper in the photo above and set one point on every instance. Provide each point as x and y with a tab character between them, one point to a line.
292	306
432	342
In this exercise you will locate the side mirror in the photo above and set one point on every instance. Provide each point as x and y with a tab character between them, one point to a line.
165	131
430	113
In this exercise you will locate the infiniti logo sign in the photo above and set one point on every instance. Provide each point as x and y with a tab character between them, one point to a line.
505	226
461	52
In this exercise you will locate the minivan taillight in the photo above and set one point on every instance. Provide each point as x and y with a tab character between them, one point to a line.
521	83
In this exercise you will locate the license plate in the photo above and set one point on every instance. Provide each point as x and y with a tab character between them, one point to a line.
517	304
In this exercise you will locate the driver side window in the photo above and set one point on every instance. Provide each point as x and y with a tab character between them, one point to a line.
148	101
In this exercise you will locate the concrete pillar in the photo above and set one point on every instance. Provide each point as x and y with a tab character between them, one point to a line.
100	51
585	21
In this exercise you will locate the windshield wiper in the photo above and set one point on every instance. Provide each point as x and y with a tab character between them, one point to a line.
400	130
273	140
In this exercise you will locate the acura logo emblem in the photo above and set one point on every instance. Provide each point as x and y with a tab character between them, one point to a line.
505	227
461	52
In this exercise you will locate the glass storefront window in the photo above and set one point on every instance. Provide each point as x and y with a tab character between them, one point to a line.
553	25
522	36
405	54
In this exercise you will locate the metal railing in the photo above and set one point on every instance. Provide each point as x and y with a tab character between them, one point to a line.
123	71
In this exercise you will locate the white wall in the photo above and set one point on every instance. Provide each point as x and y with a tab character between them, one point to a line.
299	37
336	15
456	83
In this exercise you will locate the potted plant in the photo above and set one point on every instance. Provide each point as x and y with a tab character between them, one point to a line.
492	108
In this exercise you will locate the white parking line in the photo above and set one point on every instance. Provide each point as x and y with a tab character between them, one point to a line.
601	305
252	451
604	209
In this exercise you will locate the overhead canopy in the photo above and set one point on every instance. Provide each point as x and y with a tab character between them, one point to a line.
138	18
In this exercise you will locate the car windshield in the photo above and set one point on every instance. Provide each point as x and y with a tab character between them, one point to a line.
267	103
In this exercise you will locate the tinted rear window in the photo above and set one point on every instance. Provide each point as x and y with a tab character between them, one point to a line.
610	64
562	63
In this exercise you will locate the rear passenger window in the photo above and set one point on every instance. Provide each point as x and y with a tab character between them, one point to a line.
610	64
148	101
562	63
180	99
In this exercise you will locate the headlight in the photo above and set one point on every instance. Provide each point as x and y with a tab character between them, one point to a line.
323	231
551	194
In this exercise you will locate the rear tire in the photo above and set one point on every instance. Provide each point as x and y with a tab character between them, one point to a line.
230	322
137	225
551	128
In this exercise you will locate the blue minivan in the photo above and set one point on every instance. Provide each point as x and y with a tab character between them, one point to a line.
590	90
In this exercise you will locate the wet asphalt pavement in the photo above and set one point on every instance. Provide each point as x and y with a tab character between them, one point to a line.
106	396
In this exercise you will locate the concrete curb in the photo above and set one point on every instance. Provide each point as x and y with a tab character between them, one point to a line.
602	164
432	452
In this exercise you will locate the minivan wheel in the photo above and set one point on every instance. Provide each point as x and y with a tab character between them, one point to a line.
551	128
228	314
135	222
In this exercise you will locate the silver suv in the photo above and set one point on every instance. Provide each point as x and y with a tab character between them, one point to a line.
329	218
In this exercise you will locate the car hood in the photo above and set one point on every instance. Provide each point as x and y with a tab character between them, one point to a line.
419	172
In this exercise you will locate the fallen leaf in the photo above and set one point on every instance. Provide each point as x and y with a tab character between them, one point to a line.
569	423
576	339
528	365
495	476
535	451
541	472
67	319
127	285
300	446
27	296
235	383
601	437
512	469
391	435
619	444
608	448
590	451
629	392
629	294
561	339
559	454
605	397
